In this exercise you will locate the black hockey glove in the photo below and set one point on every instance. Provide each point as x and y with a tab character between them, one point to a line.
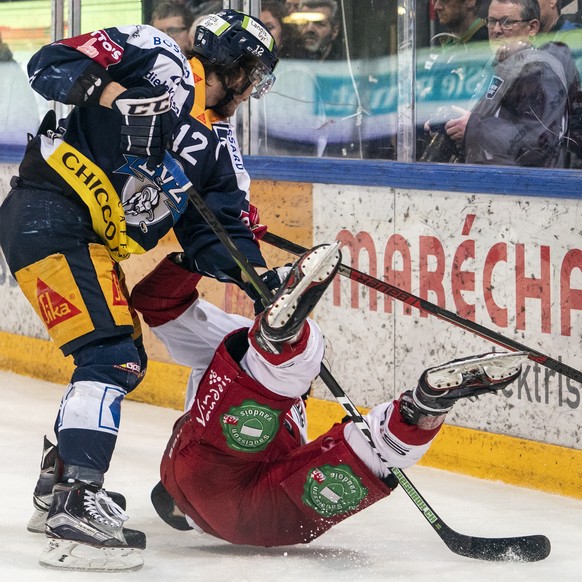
147	122
272	280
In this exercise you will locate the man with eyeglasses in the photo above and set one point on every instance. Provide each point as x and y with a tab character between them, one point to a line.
522	115
175	20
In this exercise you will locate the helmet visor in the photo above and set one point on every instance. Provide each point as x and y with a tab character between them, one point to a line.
262	79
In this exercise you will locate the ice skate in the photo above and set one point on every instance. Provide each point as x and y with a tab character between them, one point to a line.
85	531
309	277
43	491
166	508
440	387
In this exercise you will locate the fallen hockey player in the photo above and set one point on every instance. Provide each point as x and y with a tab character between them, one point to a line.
238	465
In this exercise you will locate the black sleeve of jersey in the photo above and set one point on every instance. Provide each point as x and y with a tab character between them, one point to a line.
204	253
212	162
63	74
88	88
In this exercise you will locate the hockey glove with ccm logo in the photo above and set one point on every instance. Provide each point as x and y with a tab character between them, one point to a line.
147	122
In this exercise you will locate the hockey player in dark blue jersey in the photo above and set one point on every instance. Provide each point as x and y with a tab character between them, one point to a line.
93	190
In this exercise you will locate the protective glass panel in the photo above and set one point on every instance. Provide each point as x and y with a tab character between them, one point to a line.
497	83
25	27
336	89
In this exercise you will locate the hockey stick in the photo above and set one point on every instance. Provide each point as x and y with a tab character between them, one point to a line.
414	301
525	548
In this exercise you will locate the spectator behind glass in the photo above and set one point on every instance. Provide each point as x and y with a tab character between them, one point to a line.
556	29
461	20
292	5
321	30
287	36
292	117
522	117
18	106
448	68
551	18
175	20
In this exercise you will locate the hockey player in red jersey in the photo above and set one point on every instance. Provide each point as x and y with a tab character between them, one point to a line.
238	464
92	191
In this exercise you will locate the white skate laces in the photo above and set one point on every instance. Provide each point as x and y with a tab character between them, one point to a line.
101	508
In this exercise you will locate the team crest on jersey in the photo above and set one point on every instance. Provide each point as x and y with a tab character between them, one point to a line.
250	427
333	490
149	196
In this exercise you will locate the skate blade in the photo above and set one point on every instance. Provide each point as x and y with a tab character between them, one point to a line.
314	260
37	521
71	555
495	367
287	303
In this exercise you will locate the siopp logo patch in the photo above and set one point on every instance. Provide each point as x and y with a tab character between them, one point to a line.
333	490
250	427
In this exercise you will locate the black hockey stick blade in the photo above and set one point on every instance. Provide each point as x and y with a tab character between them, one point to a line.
441	313
531	548
517	549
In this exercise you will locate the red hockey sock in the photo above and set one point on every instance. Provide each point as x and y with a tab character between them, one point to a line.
165	293
408	433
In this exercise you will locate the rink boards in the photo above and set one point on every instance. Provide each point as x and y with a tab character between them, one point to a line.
510	263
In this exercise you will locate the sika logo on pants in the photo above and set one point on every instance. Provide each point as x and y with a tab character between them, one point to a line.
333	490
250	427
54	308
50	287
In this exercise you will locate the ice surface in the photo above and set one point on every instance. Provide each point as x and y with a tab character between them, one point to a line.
389	541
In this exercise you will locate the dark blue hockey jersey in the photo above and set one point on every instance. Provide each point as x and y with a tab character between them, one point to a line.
131	206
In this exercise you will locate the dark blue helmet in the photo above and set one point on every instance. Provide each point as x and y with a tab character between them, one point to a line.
226	37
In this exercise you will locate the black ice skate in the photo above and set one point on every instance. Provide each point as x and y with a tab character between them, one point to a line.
43	491
167	509
303	287
440	387
85	531
50	467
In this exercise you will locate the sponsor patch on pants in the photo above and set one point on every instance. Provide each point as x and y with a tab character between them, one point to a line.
50	287
333	490
250	427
